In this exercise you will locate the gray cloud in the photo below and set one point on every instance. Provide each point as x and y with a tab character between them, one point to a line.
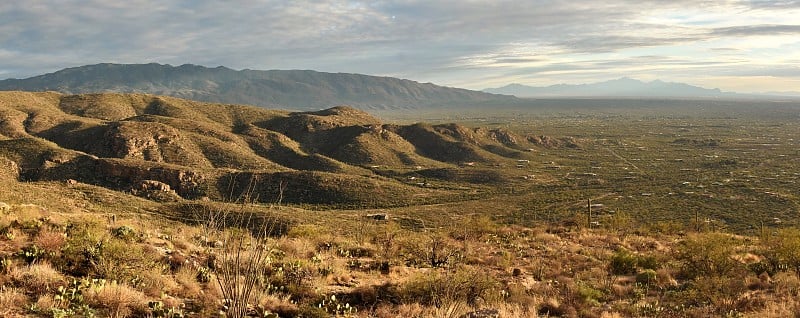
773	4
751	30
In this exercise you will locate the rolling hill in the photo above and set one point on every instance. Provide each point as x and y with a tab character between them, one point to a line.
284	89
168	148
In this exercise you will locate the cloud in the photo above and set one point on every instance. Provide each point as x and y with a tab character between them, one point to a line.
755	30
442	41
773	4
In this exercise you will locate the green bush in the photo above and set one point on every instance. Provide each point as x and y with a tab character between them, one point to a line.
81	251
626	263
474	228
782	252
125	233
646	277
647	262
589	294
707	254
623	263
123	261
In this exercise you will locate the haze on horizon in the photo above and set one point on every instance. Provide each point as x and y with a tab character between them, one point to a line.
742	46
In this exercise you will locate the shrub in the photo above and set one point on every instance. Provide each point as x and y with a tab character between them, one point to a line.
50	241
125	233
707	254
718	291
647	262
434	250
122	261
309	231
782	252
81	250
437	288
646	277
623	263
474	228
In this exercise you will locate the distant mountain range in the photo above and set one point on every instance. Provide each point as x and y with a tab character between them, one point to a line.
287	89
623	87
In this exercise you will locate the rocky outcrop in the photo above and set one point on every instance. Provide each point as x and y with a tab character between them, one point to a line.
550	142
503	136
182	181
155	190
141	140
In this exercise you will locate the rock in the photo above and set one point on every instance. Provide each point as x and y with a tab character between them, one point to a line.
185	183
378	216
152	185
71	182
545	141
4	207
9	170
503	136
483	313
141	140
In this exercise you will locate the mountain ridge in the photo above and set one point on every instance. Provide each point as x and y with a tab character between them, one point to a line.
286	89
621	87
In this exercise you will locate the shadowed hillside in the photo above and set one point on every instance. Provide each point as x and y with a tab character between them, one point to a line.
340	156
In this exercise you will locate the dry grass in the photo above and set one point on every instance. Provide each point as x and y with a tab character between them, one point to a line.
280	305
38	278
118	300
12	302
186	277
50	240
47	302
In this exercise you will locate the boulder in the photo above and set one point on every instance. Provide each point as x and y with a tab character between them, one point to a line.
483	313
9	170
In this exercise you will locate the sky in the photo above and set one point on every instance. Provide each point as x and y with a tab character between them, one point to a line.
742	46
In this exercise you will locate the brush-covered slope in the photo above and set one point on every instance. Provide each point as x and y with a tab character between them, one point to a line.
140	142
288	89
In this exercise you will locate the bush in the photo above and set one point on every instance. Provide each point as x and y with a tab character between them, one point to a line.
474	228
435	250
782	252
623	263
81	251
124	233
707	254
590	295
122	261
464	285
646	277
